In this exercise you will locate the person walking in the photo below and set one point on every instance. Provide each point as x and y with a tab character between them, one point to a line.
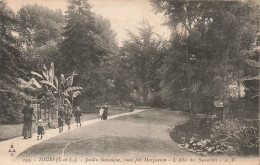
105	112
28	118
101	111
61	116
131	107
40	129
78	115
68	117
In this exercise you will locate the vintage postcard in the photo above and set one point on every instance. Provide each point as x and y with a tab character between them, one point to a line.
143	82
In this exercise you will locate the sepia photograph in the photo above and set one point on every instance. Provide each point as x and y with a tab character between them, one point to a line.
129	82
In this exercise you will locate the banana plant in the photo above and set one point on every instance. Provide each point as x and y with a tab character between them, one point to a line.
48	78
49	82
68	90
50	86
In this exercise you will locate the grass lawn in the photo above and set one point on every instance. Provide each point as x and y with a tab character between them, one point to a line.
9	131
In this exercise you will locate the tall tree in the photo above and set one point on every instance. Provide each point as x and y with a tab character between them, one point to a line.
87	47
40	30
12	65
144	53
40	24
77	49
215	40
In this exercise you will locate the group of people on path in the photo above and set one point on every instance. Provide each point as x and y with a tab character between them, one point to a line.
63	117
103	112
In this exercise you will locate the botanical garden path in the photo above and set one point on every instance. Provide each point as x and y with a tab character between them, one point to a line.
20	144
142	135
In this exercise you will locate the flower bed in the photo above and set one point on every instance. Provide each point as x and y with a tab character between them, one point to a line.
208	137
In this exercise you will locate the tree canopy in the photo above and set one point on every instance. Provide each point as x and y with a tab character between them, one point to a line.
213	49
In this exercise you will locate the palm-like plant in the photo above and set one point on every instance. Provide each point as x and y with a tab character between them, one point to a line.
50	87
48	78
68	90
49	83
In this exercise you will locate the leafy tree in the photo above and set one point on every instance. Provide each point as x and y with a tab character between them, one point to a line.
144	53
76	49
40	24
12	66
40	31
215	40
87	47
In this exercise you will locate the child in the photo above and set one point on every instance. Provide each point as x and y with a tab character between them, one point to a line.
40	128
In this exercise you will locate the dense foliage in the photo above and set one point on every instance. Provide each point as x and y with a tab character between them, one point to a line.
211	52
88	44
12	65
212	48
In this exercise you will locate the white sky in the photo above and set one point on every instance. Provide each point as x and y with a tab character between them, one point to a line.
123	14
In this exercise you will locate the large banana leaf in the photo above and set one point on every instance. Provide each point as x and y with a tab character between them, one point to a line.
48	83
36	74
50	76
44	67
52	72
72	89
76	93
68	102
56	81
22	81
45	75
69	89
25	86
35	82
68	80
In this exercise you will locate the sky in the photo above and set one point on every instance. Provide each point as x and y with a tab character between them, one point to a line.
123	14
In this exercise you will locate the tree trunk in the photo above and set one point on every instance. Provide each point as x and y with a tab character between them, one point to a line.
188	83
49	114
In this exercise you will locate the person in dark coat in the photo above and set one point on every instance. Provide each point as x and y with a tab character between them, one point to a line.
105	112
28	118
68	117
131	107
78	115
61	116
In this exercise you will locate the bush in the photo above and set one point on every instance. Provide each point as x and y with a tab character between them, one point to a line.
243	136
10	108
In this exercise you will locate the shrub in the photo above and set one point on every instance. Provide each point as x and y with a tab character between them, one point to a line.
10	108
243	136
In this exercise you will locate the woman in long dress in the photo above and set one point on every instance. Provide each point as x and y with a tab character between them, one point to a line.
28	118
